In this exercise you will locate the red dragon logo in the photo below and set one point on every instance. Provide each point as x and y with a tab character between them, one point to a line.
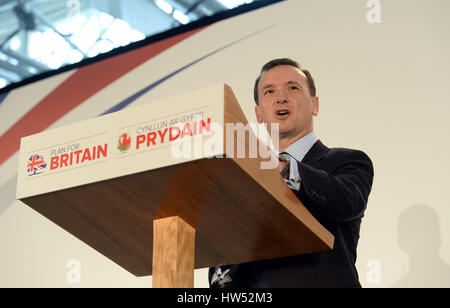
124	143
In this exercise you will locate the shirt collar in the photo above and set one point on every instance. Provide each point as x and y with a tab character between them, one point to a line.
300	147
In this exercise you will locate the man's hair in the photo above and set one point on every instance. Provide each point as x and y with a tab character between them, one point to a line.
284	61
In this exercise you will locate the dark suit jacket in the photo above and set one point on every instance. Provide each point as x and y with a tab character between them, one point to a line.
335	185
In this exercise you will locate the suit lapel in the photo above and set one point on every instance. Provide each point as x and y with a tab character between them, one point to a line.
315	154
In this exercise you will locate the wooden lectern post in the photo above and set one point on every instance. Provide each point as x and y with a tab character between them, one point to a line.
173	253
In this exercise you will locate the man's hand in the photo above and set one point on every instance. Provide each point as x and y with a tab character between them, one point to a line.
283	167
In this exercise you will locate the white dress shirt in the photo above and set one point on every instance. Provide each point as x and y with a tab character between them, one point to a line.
297	152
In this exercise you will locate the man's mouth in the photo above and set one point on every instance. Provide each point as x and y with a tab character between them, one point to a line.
282	113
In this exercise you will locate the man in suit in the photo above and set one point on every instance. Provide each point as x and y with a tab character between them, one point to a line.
332	183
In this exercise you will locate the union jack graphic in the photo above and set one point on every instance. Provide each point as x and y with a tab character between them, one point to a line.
36	164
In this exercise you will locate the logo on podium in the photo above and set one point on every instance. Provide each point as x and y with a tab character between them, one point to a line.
36	164
124	143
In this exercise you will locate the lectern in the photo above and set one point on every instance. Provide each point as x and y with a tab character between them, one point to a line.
158	189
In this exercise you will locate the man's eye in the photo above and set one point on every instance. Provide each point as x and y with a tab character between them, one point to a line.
293	88
268	92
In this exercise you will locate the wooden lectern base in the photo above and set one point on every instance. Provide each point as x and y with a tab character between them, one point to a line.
173	253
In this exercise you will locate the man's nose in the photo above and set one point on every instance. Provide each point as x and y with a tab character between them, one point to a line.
281	97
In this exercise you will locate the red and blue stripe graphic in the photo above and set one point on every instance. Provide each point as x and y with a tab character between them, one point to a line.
135	96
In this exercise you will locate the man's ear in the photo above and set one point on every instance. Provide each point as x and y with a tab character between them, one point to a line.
315	102
258	114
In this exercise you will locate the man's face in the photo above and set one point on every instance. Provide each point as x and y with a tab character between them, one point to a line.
284	98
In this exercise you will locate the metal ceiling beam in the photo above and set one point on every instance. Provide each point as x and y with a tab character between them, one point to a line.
7	5
18	70
25	60
142	15
49	24
9	76
194	6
